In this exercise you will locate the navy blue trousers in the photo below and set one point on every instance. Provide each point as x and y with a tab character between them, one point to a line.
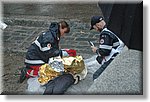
59	85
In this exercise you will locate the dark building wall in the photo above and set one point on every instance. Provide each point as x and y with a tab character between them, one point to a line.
106	10
126	20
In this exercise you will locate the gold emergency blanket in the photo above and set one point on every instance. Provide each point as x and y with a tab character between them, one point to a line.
72	65
47	73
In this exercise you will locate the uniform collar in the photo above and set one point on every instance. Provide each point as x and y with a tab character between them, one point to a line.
103	29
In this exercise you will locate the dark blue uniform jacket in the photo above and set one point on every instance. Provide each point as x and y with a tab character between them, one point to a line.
39	52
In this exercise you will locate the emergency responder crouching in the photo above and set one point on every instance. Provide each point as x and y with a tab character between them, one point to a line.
109	44
39	53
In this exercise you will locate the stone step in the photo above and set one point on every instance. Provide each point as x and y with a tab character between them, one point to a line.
42	21
22	31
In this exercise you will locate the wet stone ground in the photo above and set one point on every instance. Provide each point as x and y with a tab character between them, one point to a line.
27	21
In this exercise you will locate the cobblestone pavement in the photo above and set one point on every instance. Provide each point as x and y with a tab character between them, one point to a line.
20	34
23	29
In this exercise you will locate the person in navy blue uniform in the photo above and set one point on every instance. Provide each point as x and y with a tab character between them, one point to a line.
109	44
39	53
45	46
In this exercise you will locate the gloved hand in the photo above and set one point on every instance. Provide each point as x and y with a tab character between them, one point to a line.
80	76
64	53
68	52
77	78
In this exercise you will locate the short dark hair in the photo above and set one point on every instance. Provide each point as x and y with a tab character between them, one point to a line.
64	24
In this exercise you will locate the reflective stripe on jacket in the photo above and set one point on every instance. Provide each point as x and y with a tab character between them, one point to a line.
44	47
109	44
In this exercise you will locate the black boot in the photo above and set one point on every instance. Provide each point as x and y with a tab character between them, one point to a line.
23	74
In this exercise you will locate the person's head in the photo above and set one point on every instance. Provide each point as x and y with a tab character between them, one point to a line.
64	28
97	23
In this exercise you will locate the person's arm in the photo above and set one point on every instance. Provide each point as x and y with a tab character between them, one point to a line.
48	45
53	51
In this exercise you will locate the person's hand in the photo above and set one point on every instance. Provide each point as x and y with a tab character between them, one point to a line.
64	53
94	49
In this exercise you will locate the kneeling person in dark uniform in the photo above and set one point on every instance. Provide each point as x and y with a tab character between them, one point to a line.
109	44
45	47
39	53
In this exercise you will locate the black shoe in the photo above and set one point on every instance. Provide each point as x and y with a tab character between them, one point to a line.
23	74
99	59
